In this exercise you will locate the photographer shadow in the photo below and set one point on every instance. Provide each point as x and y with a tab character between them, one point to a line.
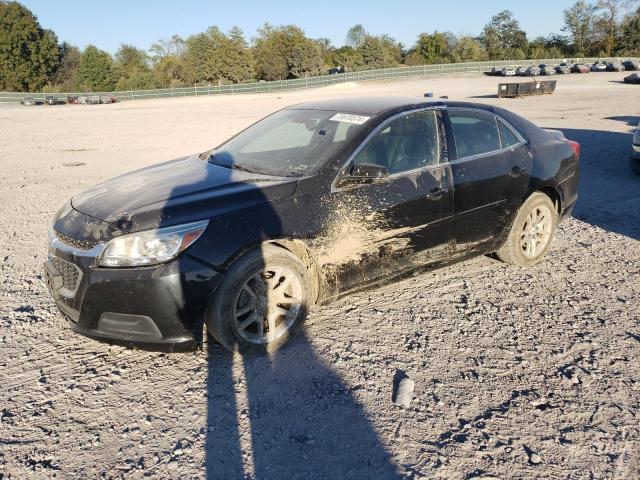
300	420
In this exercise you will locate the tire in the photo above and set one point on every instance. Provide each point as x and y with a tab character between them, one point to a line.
634	163
527	244
242	316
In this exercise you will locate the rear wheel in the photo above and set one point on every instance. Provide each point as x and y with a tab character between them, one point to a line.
634	163
531	232
262	301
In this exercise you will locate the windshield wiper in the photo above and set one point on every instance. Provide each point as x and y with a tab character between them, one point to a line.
238	167
231	165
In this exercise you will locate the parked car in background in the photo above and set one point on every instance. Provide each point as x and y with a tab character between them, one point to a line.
631	65
83	99
109	98
225	238
580	68
547	69
336	70
54	100
29	101
509	71
520	71
634	78
635	153
615	67
599	67
532	71
562	70
72	99
93	99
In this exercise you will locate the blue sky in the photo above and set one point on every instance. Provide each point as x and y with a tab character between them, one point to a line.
108	24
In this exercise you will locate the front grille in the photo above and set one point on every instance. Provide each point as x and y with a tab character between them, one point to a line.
81	244
69	272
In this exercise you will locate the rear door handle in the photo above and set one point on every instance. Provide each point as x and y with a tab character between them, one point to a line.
517	171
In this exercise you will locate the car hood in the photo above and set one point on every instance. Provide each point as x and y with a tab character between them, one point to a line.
178	191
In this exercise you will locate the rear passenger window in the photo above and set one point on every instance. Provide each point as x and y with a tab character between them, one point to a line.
507	136
475	133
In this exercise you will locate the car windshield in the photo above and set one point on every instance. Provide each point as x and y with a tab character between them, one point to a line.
289	143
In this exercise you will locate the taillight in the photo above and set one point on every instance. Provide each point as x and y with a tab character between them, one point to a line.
575	146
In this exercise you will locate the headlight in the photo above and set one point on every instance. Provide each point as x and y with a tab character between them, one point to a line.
151	247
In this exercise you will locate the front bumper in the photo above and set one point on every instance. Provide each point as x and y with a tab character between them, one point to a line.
155	308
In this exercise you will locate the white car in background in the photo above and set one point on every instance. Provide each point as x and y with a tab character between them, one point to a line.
509	71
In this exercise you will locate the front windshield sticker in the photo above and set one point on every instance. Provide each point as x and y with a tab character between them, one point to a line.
349	118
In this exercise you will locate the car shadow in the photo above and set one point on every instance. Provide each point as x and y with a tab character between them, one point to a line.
283	414
630	120
609	192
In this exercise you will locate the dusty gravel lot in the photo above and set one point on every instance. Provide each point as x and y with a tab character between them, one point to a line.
519	373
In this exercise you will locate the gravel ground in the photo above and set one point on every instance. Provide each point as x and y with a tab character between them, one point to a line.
519	373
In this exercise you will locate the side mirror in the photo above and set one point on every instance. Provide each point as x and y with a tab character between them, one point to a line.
362	173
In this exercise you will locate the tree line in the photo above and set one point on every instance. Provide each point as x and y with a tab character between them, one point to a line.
32	59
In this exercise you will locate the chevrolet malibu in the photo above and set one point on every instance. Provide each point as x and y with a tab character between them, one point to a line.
307	205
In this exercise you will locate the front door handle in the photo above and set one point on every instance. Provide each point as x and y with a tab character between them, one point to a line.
436	193
517	171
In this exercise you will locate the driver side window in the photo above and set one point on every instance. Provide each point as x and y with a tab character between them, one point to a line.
406	143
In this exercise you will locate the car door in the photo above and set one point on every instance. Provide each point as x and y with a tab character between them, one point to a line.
400	221
490	176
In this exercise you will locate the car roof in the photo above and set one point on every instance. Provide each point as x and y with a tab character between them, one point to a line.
377	105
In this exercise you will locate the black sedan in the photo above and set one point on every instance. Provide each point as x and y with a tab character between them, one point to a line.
313	202
634	78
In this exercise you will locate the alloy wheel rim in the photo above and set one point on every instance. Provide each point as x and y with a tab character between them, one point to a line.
536	231
267	305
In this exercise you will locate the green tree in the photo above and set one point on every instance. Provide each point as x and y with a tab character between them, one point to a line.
356	36
241	64
432	48
578	21
347	57
468	49
214	57
131	69
376	52
630	38
502	37
285	52
66	77
610	11
29	54
95	72
171	71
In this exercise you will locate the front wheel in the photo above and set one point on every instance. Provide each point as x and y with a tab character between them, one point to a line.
262	301
634	163
531	232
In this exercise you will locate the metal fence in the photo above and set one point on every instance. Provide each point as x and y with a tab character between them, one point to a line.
467	68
